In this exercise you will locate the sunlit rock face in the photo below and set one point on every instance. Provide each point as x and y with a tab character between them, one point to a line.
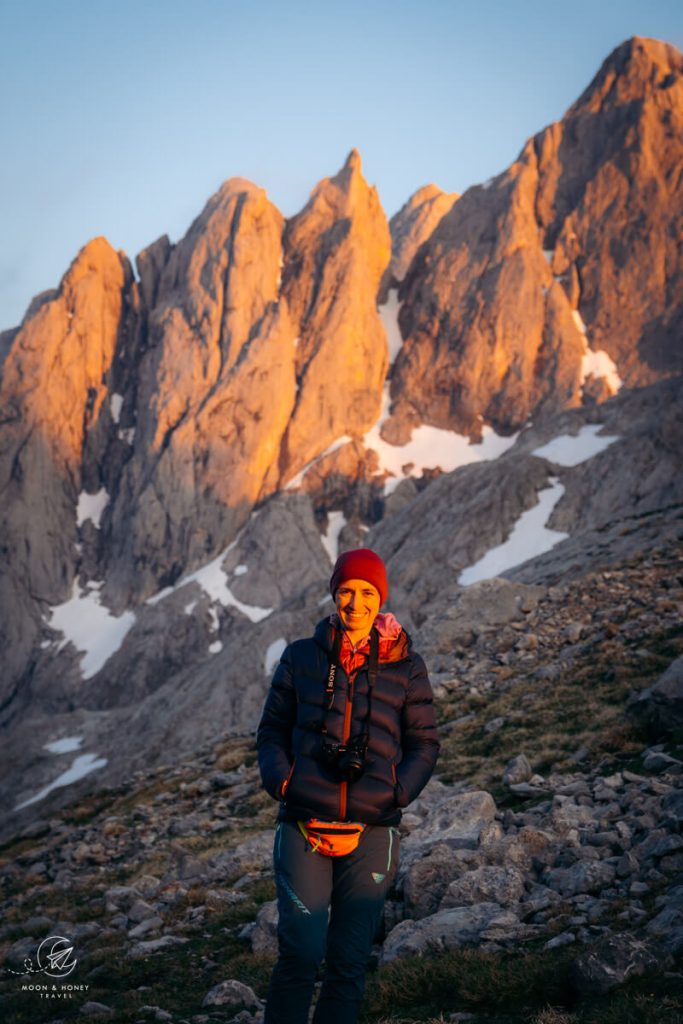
610	204
336	251
262	349
215	391
52	397
585	222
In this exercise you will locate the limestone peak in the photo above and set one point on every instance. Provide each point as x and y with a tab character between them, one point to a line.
635	68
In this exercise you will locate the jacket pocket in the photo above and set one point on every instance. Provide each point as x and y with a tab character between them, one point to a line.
285	784
401	798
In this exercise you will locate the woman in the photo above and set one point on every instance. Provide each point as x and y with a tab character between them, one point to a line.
347	738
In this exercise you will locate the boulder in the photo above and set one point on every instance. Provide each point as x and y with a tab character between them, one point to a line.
517	770
262	933
447	929
501	885
583	877
427	879
255	853
659	708
611	962
457	821
232	993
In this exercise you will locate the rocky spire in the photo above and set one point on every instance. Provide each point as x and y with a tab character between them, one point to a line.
336	251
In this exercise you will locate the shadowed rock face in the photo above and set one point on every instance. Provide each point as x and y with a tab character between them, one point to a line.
487	317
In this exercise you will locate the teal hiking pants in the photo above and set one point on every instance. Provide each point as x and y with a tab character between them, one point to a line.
329	908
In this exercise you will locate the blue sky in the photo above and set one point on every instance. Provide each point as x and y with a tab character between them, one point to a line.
122	118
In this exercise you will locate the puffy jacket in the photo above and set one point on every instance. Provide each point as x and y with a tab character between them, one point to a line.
402	739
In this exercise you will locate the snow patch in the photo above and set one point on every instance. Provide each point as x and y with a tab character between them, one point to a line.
240	570
64	746
115	404
600	364
566	450
127	434
429	448
81	767
213	580
529	538
91	506
189	608
549	253
336	521
388	314
596	362
215	647
90	627
578	320
296	480
273	654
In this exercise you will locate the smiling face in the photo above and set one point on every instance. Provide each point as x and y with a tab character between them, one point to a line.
357	603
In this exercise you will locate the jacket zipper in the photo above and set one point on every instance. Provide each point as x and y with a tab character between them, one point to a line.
346	732
283	785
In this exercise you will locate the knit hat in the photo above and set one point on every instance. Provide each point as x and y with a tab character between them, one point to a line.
361	564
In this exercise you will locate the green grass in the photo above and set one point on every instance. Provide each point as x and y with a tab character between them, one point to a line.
176	979
511	988
583	707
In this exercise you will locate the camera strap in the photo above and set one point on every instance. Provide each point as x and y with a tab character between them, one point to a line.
334	662
372	675
373	663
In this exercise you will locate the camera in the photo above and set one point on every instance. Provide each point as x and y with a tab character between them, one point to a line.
347	759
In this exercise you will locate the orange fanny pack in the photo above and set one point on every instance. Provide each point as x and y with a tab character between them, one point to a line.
332	838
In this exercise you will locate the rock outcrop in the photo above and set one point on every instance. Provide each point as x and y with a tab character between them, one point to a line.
659	708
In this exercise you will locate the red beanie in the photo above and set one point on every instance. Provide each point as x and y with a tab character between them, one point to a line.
361	564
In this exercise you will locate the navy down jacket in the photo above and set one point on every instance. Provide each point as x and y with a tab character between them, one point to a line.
402	738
